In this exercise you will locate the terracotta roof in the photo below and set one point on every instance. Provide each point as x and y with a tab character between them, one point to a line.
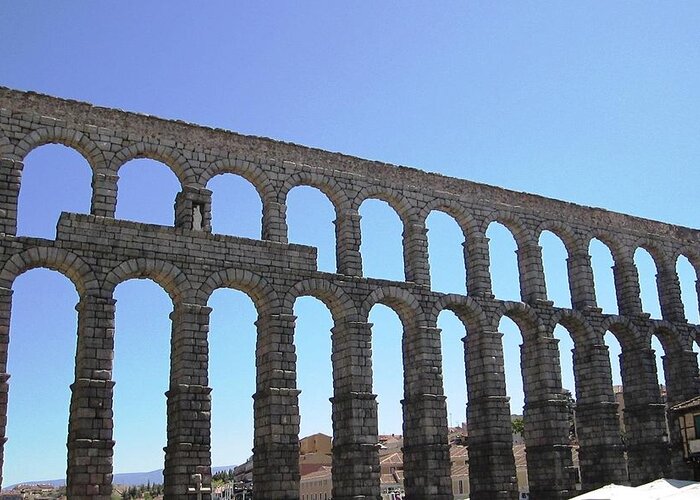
687	405
458	451
306	469
315	458
460	471
391	458
394	458
323	472
387	479
390	439
315	435
519	455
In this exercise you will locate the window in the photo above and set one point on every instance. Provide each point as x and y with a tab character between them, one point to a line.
461	487
696	418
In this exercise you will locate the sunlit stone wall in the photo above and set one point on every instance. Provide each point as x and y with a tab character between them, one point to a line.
97	252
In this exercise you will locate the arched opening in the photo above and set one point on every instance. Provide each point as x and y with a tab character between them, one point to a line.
512	338
446	254
659	353
312	340
382	241
602	264
41	364
556	273
55	179
141	374
505	277
453	367
236	208
387	368
146	192
689	293
310	216
649	293
566	358
614	352
232	340
515	391
566	347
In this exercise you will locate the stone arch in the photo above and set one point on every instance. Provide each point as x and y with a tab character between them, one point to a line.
330	203
256	287
625	274
67	263
659	256
626	333
328	186
562	231
522	315
672	340
690	254
449	243
465	308
395	199
412	239
690	302
66	137
693	257
164	154
338	302
403	302
164	273
662	265
693	336
455	210
565	274
602	274
516	265
577	325
617	249
252	172
522	235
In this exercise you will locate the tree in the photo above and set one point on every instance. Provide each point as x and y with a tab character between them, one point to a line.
518	425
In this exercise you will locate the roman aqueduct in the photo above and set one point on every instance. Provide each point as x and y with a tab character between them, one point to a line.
97	252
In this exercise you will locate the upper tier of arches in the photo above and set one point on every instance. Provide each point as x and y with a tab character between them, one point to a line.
273	180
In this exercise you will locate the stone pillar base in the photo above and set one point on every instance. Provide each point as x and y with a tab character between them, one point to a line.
93	458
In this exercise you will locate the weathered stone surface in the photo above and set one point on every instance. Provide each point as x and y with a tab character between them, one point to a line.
98	252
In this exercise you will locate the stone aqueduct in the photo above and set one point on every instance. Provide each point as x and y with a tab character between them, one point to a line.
97	252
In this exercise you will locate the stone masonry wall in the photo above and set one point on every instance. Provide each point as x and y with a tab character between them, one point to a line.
97	252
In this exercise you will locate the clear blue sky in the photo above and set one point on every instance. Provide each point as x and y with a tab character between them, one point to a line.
596	103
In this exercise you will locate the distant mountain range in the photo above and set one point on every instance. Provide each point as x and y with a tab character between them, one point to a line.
126	479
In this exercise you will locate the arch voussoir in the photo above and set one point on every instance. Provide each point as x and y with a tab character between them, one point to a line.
466	308
334	297
165	274
67	263
263	295
403	302
177	163
74	139
250	171
328	186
